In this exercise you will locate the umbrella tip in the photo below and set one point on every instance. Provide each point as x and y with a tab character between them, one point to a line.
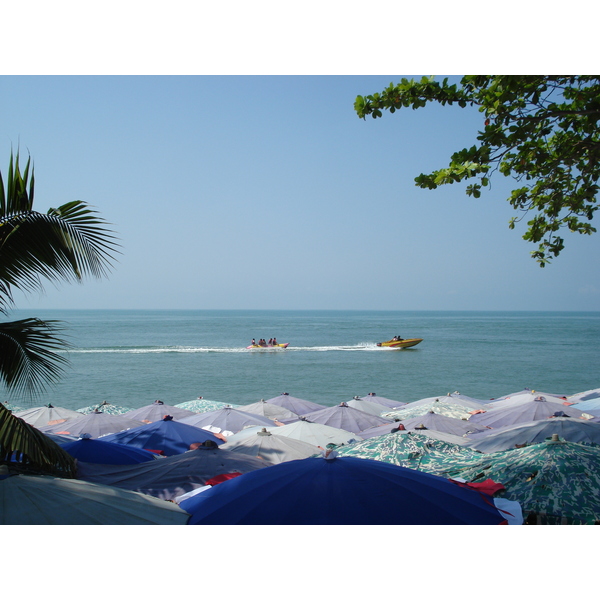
555	438
167	418
85	436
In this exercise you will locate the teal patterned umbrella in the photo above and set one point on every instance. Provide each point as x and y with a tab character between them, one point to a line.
201	405
413	409
409	449
558	481
105	407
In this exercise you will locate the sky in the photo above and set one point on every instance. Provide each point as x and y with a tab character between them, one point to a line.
260	188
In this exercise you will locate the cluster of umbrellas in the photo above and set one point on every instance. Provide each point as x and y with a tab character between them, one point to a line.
371	460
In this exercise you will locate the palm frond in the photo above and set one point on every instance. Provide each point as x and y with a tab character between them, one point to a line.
24	448
28	358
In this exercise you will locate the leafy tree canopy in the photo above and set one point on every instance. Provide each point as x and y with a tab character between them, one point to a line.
542	130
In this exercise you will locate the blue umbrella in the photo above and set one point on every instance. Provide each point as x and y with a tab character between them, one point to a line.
169	436
91	450
340	491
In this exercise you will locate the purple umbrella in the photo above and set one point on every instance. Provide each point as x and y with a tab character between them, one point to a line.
156	411
524	412
345	417
96	424
437	422
375	399
227	420
295	405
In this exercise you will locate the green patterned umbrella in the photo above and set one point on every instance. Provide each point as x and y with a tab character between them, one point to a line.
201	405
455	411
105	407
410	449
558	481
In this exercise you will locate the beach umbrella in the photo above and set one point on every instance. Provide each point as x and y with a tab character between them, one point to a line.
525	396
558	481
96	424
410	449
166	436
268	410
272	448
202	405
571	430
12	407
317	434
156	411
367	406
61	440
583	396
227	421
340	491
375	399
105	407
45	500
524	412
415	409
432	420
590	407
171	477
46	415
89	450
296	405
345	417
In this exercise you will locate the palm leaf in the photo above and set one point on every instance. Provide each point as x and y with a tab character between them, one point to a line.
28	361
23	447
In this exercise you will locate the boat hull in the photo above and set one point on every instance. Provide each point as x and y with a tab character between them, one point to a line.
400	344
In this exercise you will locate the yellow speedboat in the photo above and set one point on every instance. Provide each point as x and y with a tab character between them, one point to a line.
400	343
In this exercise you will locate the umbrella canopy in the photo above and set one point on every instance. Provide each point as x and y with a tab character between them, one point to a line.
590	407
415	409
44	500
367	406
558	480
410	449
524	412
268	410
201	405
95	424
272	448
105	407
340	491
296	405
525	395
167	436
89	450
227	421
571	430
46	415
582	396
171	477
345	417
156	411
375	399
316	434
12	407
432	420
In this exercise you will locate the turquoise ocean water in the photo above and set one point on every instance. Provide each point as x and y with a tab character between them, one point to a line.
132	358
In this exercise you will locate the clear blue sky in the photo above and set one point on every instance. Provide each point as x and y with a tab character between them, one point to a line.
268	192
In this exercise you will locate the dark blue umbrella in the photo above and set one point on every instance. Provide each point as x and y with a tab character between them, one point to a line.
340	491
101	452
168	436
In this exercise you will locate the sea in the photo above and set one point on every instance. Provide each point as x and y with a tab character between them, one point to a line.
130	358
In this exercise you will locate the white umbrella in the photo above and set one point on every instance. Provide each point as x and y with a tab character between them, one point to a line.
316	434
96	424
367	406
272	448
46	415
271	411
44	500
154	412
